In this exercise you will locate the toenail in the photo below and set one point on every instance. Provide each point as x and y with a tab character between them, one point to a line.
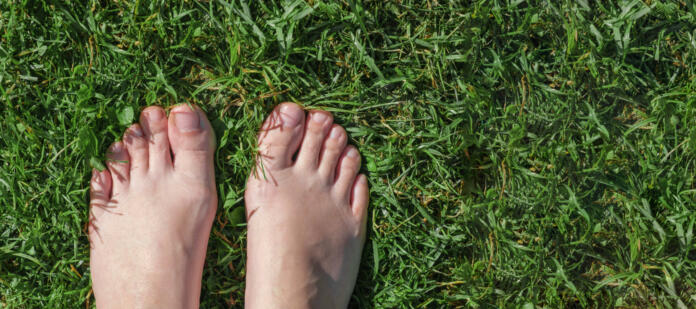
289	117
154	114
136	131
117	147
97	177
352	153
187	120
335	133
319	117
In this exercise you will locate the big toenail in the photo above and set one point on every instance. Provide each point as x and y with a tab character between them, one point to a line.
154	114
335	133
319	117
289	117
187	120
352	153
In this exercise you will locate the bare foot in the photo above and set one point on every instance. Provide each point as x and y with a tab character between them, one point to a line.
306	217
151	212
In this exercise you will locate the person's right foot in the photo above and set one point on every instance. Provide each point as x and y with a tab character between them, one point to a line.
306	217
151	212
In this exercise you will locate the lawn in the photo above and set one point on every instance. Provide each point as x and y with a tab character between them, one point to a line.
535	154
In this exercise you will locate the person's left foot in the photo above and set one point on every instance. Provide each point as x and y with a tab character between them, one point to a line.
151	212
306	213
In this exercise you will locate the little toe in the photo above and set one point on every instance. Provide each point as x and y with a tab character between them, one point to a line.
117	160
348	167
317	127
137	149
153	120
280	136
192	141
332	150
99	192
360	198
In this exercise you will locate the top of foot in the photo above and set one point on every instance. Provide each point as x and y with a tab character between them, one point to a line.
306	212
151	212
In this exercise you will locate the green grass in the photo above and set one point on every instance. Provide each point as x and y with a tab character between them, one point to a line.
520	153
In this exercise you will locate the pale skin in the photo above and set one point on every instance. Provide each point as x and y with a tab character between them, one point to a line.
151	212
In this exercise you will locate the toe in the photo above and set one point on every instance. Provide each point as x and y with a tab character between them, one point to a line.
348	167
117	161
137	149
280	136
360	197
318	126
332	150
192	141
154	123
99	192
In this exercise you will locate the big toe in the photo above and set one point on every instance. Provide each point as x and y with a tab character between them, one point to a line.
192	140
280	136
